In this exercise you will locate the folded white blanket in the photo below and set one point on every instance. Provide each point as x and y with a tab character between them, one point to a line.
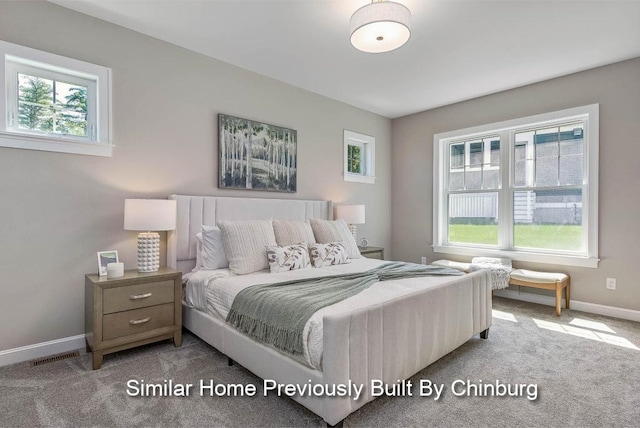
500	270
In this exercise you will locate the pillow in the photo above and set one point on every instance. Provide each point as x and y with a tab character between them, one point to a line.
198	252
333	253
327	231
291	257
290	232
245	244
212	255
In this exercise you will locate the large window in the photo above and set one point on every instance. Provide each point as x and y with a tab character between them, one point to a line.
525	189
49	102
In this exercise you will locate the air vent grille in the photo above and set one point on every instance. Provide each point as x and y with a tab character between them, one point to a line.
54	358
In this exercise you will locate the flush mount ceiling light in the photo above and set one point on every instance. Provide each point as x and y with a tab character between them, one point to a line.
381	26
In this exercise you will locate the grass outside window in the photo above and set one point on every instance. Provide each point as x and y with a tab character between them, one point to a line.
546	236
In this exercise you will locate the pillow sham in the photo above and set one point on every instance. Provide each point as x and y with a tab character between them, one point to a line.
212	255
291	232
198	252
245	244
290	257
333	253
327	231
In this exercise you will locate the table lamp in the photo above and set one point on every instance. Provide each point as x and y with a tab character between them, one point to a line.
352	214
150	215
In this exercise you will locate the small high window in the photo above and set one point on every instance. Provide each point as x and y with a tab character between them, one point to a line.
53	103
359	157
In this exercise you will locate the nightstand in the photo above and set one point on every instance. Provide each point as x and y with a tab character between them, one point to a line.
372	252
133	310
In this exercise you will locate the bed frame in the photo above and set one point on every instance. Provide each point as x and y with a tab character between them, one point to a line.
390	341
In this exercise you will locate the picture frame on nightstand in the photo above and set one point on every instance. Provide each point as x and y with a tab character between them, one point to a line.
104	258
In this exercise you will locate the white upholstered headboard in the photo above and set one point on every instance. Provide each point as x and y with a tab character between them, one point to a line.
194	211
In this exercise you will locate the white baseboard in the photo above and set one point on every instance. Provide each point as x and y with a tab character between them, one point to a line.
594	308
39	350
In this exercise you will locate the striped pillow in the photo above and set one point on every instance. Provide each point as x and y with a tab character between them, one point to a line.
292	232
327	231
245	243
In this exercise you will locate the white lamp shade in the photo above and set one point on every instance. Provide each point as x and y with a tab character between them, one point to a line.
149	214
380	27
352	214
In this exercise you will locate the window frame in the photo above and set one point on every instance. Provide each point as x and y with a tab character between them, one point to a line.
368	161
14	59
506	130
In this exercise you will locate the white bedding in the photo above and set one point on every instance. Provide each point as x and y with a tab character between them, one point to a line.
213	292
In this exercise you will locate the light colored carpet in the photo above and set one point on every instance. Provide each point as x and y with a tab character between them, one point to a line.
587	368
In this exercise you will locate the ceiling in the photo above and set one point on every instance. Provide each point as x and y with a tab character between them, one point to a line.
458	49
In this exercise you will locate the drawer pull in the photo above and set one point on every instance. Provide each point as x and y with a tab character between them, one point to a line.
140	321
140	296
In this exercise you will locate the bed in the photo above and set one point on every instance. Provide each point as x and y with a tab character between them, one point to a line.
386	334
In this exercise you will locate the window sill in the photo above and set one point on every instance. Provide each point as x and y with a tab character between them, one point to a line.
59	145
523	256
369	179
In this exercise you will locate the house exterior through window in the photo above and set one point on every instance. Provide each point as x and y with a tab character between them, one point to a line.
525	189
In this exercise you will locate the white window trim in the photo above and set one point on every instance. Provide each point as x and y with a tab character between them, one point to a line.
99	145
590	114
368	143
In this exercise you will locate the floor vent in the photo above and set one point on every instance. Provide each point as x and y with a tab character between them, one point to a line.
54	358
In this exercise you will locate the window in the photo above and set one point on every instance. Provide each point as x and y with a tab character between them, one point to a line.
359	157
525	189
53	103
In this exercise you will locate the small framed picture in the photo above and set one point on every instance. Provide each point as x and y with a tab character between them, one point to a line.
104	258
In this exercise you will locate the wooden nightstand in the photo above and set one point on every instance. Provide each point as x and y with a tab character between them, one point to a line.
133	310
372	252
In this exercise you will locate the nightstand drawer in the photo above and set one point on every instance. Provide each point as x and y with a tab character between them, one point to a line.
119	299
137	321
372	252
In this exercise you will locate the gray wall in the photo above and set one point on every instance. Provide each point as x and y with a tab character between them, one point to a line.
617	89
58	210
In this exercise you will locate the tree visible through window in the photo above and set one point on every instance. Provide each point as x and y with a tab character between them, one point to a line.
51	106
354	159
54	103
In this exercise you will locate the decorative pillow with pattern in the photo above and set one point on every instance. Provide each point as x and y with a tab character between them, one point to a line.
291	257
333	253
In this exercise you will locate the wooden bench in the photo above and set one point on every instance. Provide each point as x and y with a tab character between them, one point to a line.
546	281
527	278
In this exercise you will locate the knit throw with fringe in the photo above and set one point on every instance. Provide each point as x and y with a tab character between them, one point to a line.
277	313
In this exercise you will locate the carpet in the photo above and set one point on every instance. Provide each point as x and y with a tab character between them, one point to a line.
586	368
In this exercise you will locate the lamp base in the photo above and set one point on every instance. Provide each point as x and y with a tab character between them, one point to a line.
148	252
354	231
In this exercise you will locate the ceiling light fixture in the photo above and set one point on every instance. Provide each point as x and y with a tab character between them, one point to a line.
381	26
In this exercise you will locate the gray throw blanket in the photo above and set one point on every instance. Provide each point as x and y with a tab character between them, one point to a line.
277	313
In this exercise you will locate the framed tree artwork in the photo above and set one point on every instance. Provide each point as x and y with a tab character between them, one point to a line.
256	155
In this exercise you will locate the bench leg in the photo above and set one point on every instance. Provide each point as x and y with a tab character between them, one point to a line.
567	293
558	298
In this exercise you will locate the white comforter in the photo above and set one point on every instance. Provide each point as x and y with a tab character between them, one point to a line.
213	292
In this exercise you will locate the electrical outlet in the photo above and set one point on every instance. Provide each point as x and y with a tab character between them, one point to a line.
611	283
424	260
